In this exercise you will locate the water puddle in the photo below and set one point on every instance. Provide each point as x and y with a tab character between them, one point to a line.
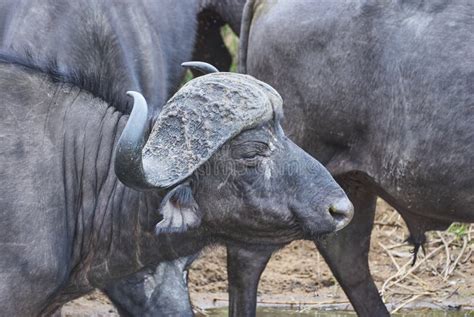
281	312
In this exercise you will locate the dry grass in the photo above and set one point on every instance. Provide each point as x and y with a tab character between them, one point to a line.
441	277
444	272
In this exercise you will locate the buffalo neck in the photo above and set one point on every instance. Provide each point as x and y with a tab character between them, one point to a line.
113	227
62	139
103	215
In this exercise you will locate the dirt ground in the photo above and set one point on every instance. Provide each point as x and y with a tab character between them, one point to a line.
298	276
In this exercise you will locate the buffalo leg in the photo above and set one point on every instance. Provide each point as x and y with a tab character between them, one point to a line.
244	267
346	253
162	291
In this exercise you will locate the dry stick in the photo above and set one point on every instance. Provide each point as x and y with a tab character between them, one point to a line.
390	255
464	245
328	302
384	224
467	257
432	287
427	287
392	232
276	302
420	280
448	260
336	288
304	309
411	289
398	273
450	294
407	302
397	246
464	255
462	275
413	267
403	254
421	287
392	215
434	271
409	293
318	266
435	242
200	311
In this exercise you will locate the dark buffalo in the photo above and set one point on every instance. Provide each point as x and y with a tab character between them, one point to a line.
84	184
382	93
123	45
383	96
158	291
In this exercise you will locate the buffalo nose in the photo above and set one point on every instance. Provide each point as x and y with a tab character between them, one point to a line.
342	211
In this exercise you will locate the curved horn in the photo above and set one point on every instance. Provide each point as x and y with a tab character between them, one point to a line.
204	68
128	153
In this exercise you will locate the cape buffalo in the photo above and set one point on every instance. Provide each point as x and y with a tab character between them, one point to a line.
83	184
123	45
381	92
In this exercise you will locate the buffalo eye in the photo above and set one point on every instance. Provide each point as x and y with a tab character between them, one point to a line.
250	152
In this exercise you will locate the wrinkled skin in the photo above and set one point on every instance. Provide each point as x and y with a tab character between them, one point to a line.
68	225
128	35
382	94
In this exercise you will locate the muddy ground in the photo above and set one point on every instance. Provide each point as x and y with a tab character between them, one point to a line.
298	276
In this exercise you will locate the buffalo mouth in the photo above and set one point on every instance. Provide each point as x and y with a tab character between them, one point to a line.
315	224
270	235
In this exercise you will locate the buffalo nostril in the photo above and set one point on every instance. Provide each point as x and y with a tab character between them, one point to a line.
342	211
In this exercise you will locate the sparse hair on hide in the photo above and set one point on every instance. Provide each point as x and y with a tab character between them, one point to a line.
179	210
95	83
182	197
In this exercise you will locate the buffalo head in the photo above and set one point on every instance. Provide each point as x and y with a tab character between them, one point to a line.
218	150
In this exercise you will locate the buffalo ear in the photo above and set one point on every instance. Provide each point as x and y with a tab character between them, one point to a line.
179	210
